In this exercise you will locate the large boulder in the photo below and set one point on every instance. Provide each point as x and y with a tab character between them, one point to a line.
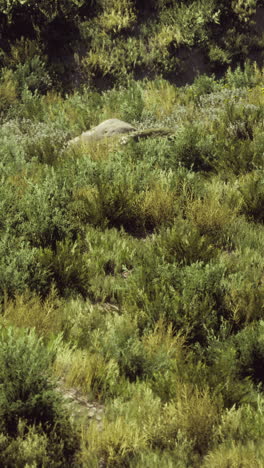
106	129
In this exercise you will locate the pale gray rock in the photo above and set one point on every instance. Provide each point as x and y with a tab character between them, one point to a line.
106	129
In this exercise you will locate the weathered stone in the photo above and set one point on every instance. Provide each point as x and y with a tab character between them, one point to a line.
106	129
92	412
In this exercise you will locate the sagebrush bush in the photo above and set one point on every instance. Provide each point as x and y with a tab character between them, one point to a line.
184	243
67	268
26	390
212	218
234	455
18	268
244	287
30	447
249	343
29	400
251	187
8	90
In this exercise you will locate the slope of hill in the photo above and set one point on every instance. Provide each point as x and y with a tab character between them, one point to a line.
131	271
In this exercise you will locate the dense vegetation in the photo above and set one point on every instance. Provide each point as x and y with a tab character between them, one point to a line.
134	270
104	42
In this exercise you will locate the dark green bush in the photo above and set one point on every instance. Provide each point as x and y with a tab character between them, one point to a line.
25	389
241	77
33	75
26	393
250	352
18	269
243	287
252	189
201	299
44	217
67	268
184	243
8	90
126	103
190	150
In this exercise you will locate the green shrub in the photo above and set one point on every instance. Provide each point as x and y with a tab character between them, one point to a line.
29	310
18	268
33	75
242	77
188	147
121	342
129	197
8	90
222	371
43	215
29	448
245	235
117	16
244	287
184	243
201	300
112	257
67	268
27	394
241	424
88	372
234	455
25	391
125	103
190	297
21	50
202	85
212	218
178	458
250	348
252	190
43	143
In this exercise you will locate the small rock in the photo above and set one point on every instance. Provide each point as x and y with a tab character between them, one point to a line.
92	412
82	400
69	397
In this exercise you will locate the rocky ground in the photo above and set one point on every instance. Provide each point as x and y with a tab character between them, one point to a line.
82	410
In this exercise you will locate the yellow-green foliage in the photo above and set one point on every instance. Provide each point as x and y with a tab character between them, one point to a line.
244	8
236	455
8	90
28	310
211	217
245	289
159	98
88	372
158	205
125	55
129	428
117	15
29	448
22	50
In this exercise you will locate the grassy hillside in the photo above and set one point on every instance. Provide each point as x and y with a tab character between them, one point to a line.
131	271
71	42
